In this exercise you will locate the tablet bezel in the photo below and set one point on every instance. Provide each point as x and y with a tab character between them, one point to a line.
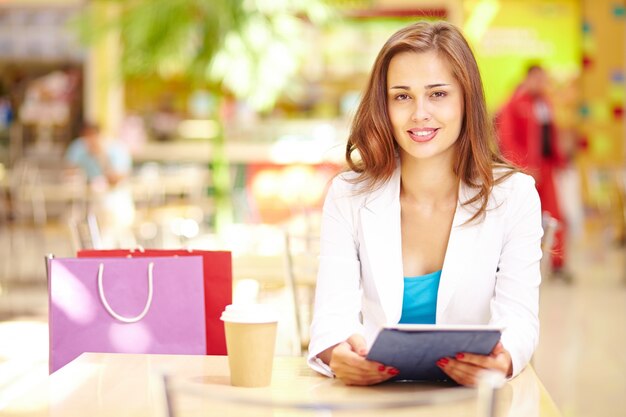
444	327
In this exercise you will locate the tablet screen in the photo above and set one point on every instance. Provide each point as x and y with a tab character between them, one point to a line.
415	349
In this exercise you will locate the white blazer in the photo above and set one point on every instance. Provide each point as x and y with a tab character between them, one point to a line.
490	272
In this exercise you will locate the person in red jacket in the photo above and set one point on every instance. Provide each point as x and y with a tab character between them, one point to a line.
529	139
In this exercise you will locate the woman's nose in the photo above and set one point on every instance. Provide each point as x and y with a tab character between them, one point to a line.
420	112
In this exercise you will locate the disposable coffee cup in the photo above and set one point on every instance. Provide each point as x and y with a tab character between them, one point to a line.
250	341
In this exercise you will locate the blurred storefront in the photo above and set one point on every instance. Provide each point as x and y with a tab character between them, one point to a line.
171	123
41	66
577	42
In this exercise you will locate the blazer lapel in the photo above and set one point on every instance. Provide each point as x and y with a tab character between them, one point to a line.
380	221
382	238
463	237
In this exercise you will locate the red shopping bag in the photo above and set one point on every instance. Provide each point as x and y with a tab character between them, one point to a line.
218	285
147	305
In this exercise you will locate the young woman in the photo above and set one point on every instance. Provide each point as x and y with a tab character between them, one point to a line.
430	225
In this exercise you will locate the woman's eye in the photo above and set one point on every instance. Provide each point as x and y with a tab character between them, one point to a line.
402	97
439	94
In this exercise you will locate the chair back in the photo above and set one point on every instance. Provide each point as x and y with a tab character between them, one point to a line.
85	233
301	263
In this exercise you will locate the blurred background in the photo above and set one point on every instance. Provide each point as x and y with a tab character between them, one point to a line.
225	120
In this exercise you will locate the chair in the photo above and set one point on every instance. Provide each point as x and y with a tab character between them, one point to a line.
301	263
27	198
312	395
41	188
85	233
550	226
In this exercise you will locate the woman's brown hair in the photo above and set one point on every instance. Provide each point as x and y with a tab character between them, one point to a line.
371	134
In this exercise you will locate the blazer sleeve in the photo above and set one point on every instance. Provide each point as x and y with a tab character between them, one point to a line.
338	293
515	304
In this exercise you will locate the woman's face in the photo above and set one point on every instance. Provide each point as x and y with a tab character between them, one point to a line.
425	104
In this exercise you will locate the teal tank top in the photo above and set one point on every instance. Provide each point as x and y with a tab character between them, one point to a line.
419	302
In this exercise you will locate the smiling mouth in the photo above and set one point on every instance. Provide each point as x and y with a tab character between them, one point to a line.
422	135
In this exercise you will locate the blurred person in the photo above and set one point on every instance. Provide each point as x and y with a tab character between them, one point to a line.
430	225
570	178
165	120
107	166
132	133
6	119
6	113
529	139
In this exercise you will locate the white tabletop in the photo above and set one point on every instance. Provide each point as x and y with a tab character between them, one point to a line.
120	385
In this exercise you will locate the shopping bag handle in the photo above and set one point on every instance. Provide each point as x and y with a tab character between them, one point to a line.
108	307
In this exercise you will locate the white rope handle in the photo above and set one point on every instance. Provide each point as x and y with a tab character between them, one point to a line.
108	307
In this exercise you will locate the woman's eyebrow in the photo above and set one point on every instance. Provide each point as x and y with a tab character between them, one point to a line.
427	86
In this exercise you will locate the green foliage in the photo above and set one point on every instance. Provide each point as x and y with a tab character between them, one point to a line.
253	48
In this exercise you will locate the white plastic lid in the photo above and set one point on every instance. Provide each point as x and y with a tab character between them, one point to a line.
249	313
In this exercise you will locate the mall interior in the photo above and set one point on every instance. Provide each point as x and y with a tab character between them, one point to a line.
232	130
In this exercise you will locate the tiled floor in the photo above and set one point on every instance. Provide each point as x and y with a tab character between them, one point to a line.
580	357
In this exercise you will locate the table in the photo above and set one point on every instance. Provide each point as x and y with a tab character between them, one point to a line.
125	385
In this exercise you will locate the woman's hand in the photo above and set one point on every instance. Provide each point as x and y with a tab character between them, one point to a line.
465	367
347	360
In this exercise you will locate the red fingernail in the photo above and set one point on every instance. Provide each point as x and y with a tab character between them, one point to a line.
444	361
439	364
460	356
393	371
381	368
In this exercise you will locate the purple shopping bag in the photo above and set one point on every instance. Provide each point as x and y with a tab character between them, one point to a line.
125	305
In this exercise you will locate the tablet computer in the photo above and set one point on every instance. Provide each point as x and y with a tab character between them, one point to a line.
414	349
